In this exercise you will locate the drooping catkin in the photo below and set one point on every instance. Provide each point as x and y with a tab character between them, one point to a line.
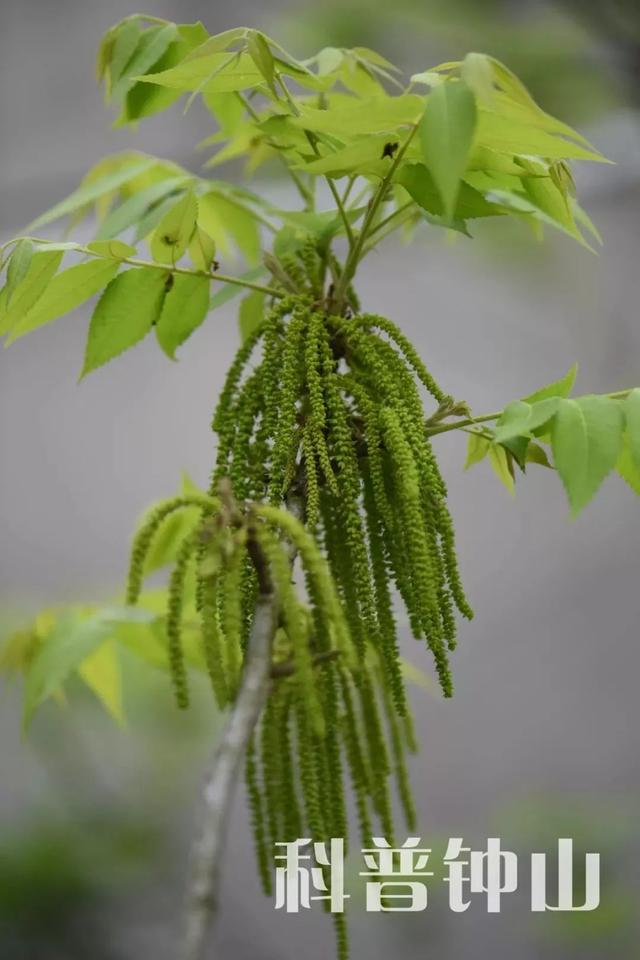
149	528
231	620
256	809
175	604
296	626
360	777
327	411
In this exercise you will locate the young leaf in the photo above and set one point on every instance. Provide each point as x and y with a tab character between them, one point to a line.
73	638
477	72
101	673
447	132
586	440
124	314
134	207
171	237
66	291
202	249
260	52
519	203
521	418
500	460
372	115
508	135
18	266
215	73
628	468
631	407
477	449
92	191
151	45
250	314
35	281
420	185
221	217
559	388
185	307
353	157
117	53
537	454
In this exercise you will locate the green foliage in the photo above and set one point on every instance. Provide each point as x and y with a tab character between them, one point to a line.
589	436
128	308
447	131
325	460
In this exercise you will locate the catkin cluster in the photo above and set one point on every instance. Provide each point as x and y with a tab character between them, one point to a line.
321	417
331	409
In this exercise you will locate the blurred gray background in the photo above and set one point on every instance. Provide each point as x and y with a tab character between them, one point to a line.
542	735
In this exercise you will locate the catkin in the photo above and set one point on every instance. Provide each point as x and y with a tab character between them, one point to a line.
328	411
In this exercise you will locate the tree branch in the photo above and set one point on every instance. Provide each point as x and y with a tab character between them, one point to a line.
227	762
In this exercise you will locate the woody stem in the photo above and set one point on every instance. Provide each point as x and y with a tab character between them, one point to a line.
220	782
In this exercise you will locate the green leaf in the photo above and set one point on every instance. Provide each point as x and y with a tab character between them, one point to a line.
101	672
500	460
348	159
631	408
145	99
517	447
509	135
559	388
185	307
477	449
221	217
94	190
260	52
151	45
628	468
112	249
521	418
41	269
371	115
124	40
74	637
215	73
419	184
477	72
124	314
134	207
171	237
228	109
521	204
586	440
202	249
537	454
251	314
447	132
18	266
66	291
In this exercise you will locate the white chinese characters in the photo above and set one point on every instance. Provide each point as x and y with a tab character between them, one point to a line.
396	878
